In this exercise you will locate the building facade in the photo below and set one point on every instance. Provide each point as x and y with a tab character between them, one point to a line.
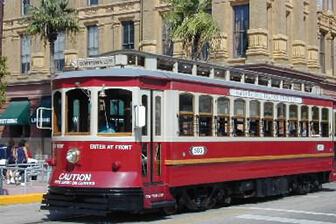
293	38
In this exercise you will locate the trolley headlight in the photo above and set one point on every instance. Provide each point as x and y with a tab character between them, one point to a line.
73	156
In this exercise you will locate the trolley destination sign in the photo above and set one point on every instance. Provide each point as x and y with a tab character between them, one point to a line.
265	96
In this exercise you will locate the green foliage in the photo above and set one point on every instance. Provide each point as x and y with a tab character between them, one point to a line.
192	25
3	72
50	18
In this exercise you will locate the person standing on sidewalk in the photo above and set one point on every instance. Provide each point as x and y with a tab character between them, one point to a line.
11	159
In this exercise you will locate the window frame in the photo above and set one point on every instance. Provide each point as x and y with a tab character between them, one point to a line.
205	115
92	37
269	119
59	49
223	118
25	54
239	119
128	34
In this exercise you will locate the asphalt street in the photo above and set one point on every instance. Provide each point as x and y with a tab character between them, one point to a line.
313	208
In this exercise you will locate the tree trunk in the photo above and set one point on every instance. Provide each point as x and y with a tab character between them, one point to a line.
52	58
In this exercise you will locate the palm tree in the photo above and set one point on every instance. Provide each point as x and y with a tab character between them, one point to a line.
48	20
3	72
191	24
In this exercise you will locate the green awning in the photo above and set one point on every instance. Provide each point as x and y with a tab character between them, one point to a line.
16	114
46	114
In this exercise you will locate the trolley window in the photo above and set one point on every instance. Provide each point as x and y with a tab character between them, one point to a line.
254	122
186	115
304	123
281	121
325	122
157	115
78	113
115	114
205	116
223	116
268	119
57	113
144	100
315	128
239	118
293	121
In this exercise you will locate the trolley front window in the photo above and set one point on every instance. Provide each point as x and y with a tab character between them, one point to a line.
114	112
57	114
78	111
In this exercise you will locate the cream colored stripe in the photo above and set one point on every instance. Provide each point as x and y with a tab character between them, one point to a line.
245	159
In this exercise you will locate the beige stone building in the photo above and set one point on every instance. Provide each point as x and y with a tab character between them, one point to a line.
293	38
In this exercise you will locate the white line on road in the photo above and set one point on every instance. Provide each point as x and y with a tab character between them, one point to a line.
281	220
291	211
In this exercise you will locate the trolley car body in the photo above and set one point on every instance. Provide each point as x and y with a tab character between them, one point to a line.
204	140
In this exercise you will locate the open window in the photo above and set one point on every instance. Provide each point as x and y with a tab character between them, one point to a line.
205	116
114	112
57	113
293	121
186	114
78	111
268	119
304	123
281	121
315	124
223	116
239	118
325	122
254	122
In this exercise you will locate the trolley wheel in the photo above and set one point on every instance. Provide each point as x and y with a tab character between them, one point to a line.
170	210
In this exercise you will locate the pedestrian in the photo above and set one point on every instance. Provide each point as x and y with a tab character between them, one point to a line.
11	159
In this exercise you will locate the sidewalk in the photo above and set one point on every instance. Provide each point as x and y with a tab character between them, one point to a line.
18	194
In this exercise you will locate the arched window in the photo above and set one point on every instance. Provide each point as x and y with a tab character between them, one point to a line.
115	114
239	118
205	116
304	123
293	121
254	123
78	111
186	114
315	127
268	119
223	116
57	114
144	101
325	122
281	121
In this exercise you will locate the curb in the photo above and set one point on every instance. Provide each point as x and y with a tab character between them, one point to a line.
20	199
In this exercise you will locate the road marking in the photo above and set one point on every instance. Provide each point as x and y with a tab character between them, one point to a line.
292	211
281	220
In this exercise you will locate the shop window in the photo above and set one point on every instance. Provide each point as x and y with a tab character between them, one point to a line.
115	114
19	131
78	114
254	121
281	121
293	121
205	116
57	113
315	127
239	118
304	123
186	115
325	123
268	119
223	116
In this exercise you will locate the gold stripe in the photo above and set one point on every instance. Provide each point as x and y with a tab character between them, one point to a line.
244	159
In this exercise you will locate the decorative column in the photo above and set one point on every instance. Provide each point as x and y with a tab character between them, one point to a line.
298	44
312	37
220	10
149	28
258	33
280	51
